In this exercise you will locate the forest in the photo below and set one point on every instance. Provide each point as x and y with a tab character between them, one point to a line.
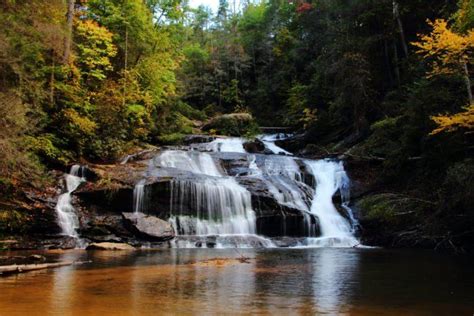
384	83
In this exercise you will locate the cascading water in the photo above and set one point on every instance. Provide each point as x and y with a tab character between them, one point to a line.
139	196
67	217
269	142
222	206
218	203
210	208
336	231
231	145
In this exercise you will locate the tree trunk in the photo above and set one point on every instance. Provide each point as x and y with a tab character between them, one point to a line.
468	81
125	67
396	15
396	66
51	82
68	38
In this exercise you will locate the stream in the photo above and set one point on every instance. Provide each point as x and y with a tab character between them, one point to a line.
309	281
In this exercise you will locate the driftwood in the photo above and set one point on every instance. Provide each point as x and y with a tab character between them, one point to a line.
21	268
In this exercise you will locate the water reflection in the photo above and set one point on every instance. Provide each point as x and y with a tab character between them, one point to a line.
63	283
279	282
333	279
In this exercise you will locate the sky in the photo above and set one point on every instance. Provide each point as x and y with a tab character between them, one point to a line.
213	4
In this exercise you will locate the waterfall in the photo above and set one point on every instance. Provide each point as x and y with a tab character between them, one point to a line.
210	208
139	196
67	217
219	205
336	231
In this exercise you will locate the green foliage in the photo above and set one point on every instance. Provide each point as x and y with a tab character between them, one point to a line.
235	124
172	139
13	222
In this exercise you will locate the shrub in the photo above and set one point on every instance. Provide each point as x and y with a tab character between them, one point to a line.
235	124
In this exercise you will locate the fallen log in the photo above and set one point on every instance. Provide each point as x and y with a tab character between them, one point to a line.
21	268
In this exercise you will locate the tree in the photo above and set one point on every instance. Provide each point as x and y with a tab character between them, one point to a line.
448	52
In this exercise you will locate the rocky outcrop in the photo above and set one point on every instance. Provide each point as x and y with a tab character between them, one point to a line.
148	227
108	204
255	146
197	139
275	219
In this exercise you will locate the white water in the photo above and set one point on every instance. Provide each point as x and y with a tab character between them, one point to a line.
193	161
336	231
67	217
269	142
211	205
222	206
230	145
219	205
139	196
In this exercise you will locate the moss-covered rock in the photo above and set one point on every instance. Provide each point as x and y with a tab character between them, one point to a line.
389	219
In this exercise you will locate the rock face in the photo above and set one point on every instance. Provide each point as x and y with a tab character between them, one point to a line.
148	227
272	217
109	246
255	147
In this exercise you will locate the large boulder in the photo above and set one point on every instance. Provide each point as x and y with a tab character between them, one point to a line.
148	227
255	146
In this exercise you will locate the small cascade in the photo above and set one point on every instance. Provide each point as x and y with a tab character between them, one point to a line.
336	231
230	145
139	196
269	142
283	166
192	161
67	217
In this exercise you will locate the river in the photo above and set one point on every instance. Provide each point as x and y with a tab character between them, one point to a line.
304	281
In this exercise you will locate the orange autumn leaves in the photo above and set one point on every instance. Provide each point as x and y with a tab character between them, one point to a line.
449	53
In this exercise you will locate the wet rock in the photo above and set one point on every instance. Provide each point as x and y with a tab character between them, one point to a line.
104	228
148	227
197	139
37	258
292	144
109	246
255	146
139	156
287	241
275	219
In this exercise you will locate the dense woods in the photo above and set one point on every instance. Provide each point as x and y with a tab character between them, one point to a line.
385	81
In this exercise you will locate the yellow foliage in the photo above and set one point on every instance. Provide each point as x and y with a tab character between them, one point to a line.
81	123
449	123
95	45
448	49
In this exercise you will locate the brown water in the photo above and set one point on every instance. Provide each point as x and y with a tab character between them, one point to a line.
276	282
